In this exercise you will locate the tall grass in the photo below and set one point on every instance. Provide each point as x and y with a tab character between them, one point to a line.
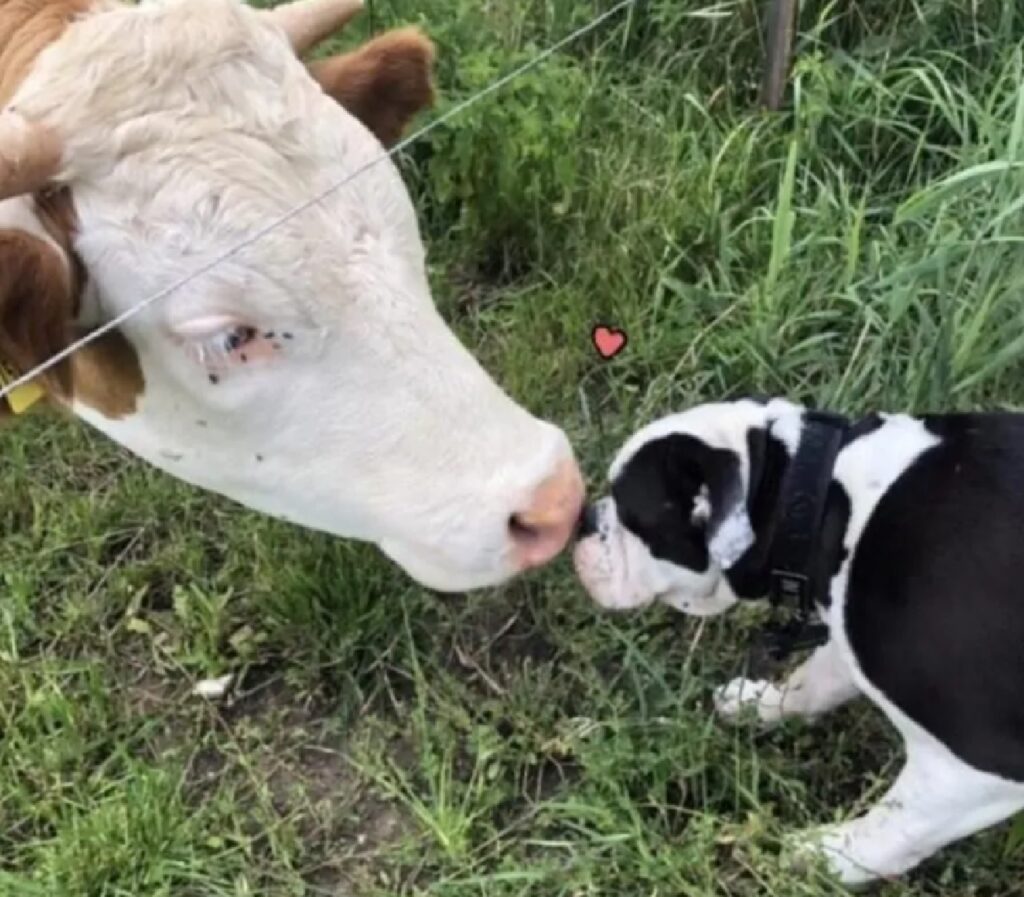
860	250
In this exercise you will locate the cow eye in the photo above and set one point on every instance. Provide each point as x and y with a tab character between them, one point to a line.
238	337
223	345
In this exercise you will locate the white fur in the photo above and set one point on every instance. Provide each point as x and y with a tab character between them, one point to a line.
936	800
822	683
732	538
189	125
720	424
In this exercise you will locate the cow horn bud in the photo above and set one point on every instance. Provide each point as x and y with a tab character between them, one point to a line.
307	22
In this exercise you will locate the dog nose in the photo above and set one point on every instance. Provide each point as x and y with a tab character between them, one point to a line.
543	528
587	524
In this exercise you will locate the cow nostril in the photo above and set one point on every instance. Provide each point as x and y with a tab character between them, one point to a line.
542	528
537	541
520	530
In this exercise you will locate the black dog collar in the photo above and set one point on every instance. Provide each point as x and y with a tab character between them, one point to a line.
794	536
796	532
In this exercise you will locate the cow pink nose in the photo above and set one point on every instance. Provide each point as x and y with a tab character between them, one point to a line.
542	529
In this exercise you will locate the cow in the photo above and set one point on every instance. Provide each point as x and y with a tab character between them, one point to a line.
308	375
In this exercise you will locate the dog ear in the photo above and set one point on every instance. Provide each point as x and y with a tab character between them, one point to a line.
730	533
727	525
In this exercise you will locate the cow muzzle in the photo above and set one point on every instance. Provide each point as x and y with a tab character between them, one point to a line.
536	530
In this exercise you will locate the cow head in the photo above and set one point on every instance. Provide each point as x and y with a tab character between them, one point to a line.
309	375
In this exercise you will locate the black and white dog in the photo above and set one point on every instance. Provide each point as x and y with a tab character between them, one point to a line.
904	534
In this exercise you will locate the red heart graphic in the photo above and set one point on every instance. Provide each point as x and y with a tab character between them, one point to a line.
608	341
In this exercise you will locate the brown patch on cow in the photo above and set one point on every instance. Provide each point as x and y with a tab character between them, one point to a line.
27	27
106	376
37	306
56	212
384	83
39	289
39	296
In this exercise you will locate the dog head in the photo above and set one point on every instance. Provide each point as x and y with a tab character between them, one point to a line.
678	516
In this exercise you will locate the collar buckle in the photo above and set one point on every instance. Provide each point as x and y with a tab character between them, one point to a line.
790	589
794	537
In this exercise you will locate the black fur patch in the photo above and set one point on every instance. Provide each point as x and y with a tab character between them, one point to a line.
935	601
656	490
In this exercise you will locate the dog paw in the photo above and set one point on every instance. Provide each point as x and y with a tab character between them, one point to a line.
742	696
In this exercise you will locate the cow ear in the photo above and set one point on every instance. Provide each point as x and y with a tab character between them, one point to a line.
37	307
385	83
727	524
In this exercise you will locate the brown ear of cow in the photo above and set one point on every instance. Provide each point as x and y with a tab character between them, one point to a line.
384	83
36	307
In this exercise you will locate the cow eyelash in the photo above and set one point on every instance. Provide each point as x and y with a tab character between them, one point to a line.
218	350
238	337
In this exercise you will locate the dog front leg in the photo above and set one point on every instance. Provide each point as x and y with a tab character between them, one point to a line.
822	683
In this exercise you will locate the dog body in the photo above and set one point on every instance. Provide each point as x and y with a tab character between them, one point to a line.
922	572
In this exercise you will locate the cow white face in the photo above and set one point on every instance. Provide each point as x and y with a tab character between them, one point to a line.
309	376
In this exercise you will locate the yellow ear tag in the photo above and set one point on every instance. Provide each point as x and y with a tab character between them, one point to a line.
23	397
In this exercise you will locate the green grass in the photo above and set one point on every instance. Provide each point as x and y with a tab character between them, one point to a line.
861	251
